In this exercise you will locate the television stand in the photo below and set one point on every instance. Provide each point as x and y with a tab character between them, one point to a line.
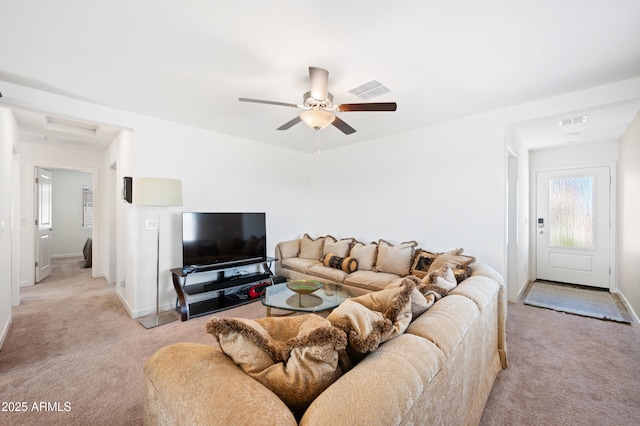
208	297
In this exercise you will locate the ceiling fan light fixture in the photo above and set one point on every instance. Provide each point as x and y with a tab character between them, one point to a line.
317	118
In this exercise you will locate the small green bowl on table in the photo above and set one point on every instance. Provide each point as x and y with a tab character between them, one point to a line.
304	286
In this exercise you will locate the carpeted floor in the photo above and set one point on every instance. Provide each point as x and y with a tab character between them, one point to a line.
73	347
71	341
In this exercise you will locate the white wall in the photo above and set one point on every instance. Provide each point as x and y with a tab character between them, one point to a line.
68	235
218	173
629	214
8	133
441	186
574	154
518	276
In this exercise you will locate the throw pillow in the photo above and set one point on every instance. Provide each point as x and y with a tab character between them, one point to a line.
347	264
419	303
454	258
374	318
422	261
395	259
436	285
310	248
295	357
365	255
339	248
443	278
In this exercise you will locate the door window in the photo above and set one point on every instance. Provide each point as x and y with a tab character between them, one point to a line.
571	210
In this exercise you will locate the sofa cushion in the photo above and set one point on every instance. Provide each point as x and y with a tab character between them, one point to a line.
365	254
289	248
370	280
295	357
189	384
310	248
347	264
327	273
339	248
394	259
383	387
482	290
446	323
299	264
375	317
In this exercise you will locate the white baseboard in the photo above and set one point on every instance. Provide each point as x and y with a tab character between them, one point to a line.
628	305
141	313
125	304
522	288
5	332
62	256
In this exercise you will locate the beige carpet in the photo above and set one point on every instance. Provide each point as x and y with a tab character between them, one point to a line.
72	342
568	370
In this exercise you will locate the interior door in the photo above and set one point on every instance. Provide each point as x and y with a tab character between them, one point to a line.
43	224
573	226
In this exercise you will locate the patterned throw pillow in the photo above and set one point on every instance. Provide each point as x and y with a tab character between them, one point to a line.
426	261
422	262
347	264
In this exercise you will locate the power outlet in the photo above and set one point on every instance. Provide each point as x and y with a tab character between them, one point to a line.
152	224
122	283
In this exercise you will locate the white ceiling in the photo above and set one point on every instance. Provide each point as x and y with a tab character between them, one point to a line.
189	61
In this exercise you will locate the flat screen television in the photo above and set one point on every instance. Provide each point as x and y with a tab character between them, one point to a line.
222	240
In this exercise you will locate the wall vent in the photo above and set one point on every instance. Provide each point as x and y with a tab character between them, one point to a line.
369	90
571	121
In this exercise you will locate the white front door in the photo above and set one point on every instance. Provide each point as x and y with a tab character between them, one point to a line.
573	226
43	224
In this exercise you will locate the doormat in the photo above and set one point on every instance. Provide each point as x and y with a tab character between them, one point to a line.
575	300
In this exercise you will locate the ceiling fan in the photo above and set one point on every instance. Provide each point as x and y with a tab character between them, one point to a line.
319	107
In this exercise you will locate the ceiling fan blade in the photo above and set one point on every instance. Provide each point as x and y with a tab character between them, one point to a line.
343	127
319	82
259	101
289	124
375	106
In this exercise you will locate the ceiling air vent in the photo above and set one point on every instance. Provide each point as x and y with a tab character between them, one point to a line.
572	121
369	90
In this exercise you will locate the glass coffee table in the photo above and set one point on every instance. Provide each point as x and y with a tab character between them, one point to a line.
305	298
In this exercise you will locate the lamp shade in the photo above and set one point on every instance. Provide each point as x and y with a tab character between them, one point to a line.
317	118
158	192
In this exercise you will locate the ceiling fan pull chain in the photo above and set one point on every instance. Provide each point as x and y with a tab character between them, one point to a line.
318	148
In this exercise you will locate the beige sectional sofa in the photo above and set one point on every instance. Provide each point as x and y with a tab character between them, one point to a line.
378	263
438	371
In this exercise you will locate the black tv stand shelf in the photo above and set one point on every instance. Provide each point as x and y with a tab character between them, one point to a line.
205	298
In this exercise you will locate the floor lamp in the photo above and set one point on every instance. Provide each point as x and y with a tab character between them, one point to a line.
159	192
